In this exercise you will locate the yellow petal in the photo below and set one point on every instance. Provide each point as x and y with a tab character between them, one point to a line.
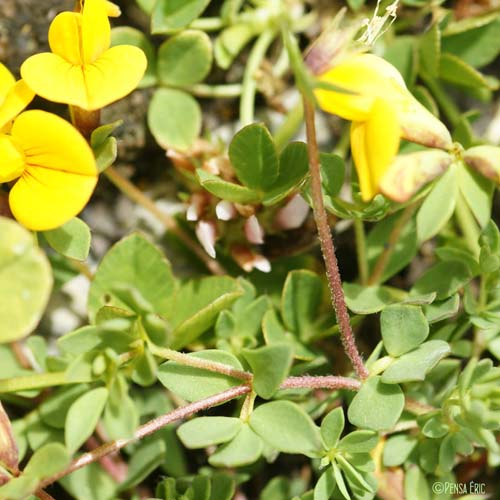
65	36
96	30
44	199
60	172
53	78
113	10
17	98
50	142
109	79
374	144
12	160
369	77
6	81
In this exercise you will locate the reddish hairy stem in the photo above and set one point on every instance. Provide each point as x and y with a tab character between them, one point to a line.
326	382
43	495
328	248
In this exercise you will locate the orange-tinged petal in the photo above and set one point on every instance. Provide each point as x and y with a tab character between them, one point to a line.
114	75
369	77
7	80
12	162
52	77
50	142
44	199
96	30
374	144
60	172
17	98
65	36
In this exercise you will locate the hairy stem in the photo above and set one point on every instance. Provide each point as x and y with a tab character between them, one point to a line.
326	382
147	429
327	246
43	495
135	194
204	364
386	254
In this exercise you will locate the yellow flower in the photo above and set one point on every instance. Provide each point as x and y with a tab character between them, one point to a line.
14	97
82	70
382	111
54	167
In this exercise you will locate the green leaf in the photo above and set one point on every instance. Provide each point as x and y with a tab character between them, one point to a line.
300	301
125	35
397	449
270	365
185	58
47	461
223	487
454	70
477	192
286	427
293	167
439	310
196	305
444	278
361	441
54	409
438	207
164	110
25	281
170	15
226	190
139	264
332	426
231	41
384	401
71	240
401	53
146	458
475	45
325	485
415	481
89	483
416	364
430	50
339	480
403	318
244	449
332	173
207	431
253	156
83	416
193	384
370	299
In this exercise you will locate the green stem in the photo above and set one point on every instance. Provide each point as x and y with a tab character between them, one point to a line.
208	24
204	364
467	225
445	103
287	130
204	90
247	103
38	381
359	231
247	408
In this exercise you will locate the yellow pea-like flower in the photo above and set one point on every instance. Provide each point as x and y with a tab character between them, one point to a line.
82	70
54	167
14	97
382	111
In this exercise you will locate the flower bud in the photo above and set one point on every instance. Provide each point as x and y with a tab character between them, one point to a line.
419	125
484	159
408	173
8	447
